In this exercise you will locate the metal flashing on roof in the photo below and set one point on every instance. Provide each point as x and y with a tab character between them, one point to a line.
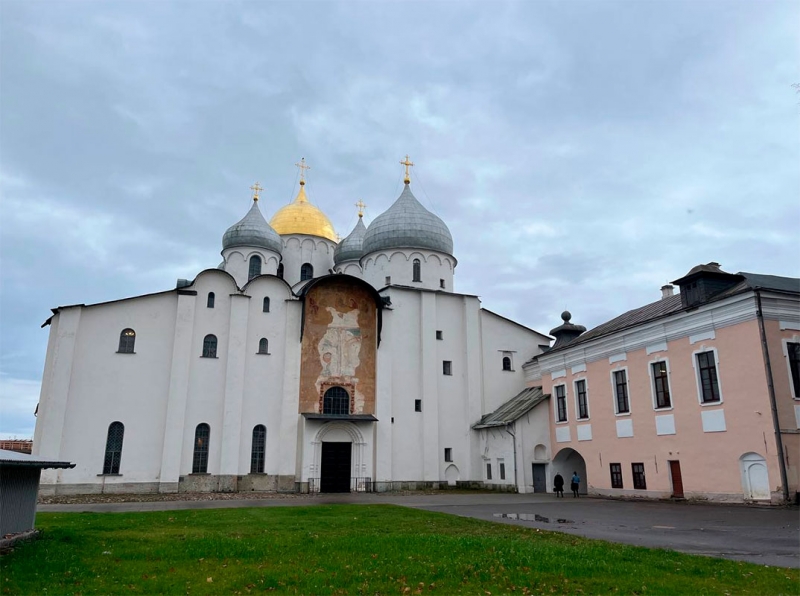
513	409
15	458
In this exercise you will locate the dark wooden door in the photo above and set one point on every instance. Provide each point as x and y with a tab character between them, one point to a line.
335	464
539	478
677	480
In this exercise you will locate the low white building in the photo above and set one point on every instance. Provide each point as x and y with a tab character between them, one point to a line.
270	373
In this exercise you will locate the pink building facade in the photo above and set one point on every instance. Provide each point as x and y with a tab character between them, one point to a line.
695	396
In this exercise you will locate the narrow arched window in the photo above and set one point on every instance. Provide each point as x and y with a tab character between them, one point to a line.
210	346
126	340
266	304
306	271
336	401
417	270
259	449
263	346
202	435
280	271
255	267
116	430
506	363
210	301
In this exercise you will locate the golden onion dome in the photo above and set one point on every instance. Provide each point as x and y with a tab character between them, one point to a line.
301	217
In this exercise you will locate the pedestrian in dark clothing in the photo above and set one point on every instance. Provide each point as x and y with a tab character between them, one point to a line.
575	484
558	485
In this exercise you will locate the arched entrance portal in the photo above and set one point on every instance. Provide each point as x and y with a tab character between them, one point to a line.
755	479
339	455
568	461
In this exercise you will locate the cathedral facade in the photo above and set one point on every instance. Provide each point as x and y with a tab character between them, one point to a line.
300	363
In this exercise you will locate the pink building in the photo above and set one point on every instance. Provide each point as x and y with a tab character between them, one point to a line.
696	395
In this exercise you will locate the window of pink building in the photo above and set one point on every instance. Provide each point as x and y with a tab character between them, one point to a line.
661	384
561	402
794	366
621	392
616	475
639	480
583	403
709	385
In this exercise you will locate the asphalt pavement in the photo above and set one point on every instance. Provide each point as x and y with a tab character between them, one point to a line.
763	535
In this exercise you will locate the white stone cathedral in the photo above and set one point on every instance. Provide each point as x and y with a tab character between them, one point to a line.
298	364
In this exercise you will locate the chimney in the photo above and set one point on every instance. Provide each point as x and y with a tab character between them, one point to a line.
666	291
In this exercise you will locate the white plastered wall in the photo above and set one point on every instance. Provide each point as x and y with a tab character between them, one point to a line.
301	248
398	265
237	262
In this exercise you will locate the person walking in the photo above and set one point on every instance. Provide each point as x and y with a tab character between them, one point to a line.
575	484
558	485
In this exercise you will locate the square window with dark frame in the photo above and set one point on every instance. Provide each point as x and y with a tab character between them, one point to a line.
439	334
447	367
621	391
793	350
709	385
616	475
417	405
561	402
639	481
661	384
448	454
583	404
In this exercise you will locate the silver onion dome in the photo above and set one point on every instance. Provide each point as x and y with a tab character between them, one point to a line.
407	224
252	230
352	247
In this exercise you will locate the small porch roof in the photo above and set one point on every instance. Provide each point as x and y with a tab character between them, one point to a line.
513	409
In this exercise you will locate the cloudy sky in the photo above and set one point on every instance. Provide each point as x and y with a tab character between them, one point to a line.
582	153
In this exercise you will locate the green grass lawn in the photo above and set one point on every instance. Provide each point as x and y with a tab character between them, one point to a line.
351	549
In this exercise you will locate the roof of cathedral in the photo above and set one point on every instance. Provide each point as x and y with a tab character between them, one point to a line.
352	247
252	230
407	224
301	217
515	407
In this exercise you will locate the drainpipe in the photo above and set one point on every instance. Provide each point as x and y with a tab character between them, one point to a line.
514	442
772	402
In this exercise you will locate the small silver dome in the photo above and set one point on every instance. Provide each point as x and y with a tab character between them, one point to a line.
351	248
252	230
407	224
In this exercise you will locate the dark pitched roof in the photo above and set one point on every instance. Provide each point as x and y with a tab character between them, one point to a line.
671	305
515	407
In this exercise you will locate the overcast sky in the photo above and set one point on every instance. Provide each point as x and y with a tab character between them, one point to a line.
582	153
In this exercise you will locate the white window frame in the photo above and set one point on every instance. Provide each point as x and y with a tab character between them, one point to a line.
785	344
577	406
566	403
653	384
698	382
614	389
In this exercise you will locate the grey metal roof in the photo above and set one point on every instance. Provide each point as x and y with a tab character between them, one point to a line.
515	407
407	224
252	230
771	282
672	304
15	458
352	247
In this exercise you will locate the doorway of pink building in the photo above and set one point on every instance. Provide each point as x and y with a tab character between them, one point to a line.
567	462
677	479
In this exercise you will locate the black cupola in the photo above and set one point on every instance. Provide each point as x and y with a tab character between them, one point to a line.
704	282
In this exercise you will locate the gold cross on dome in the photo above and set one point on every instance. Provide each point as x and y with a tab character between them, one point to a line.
361	207
303	167
256	188
407	163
